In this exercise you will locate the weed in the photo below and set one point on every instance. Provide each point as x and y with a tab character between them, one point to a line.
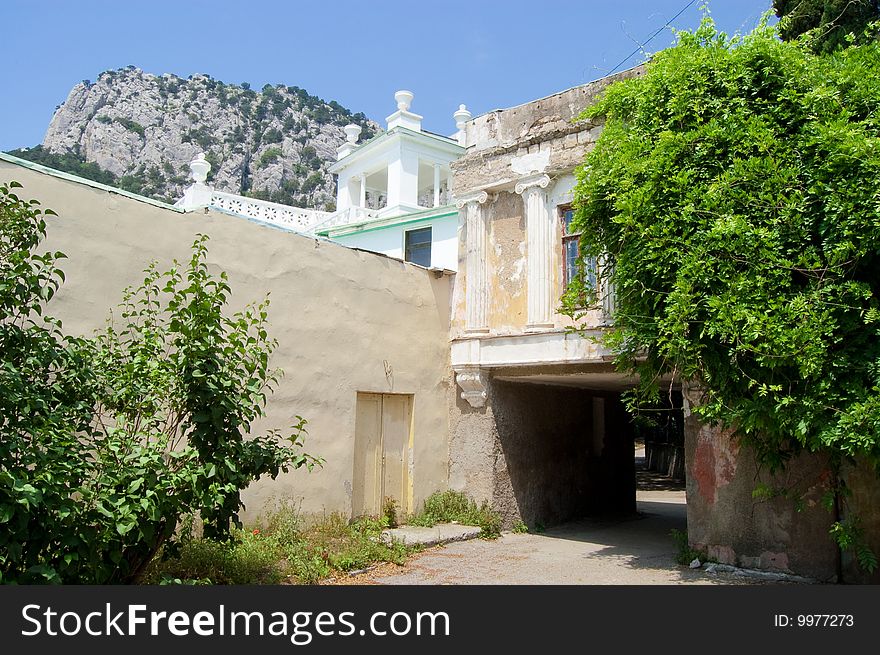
389	511
686	554
454	506
520	527
288	549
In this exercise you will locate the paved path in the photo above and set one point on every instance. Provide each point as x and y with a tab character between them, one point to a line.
634	551
638	550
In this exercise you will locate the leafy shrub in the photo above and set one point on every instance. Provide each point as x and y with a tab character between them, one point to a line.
93	476
131	126
455	506
269	156
271	136
685	554
288	549
69	162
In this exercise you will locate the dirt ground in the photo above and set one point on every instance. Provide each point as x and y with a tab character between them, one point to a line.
633	550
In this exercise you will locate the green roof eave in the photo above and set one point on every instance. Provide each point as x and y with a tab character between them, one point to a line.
384	223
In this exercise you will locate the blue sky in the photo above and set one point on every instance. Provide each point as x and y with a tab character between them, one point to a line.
487	54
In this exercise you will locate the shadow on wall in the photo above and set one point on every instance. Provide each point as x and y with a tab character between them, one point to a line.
562	453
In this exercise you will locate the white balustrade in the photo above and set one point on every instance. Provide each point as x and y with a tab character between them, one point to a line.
269	212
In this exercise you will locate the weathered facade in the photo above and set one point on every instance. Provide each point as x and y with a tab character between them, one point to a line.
538	427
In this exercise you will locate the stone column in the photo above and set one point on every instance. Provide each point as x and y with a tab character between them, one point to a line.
436	185
540	230
476	249
362	201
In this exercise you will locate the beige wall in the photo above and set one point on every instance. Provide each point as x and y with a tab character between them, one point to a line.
346	321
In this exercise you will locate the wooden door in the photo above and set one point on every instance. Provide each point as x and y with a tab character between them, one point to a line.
383	428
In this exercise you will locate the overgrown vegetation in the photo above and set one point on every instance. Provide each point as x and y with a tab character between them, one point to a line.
684	553
520	527
269	156
456	507
290	549
733	195
106	443
828	24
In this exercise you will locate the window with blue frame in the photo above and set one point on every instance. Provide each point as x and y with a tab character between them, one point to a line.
417	246
571	251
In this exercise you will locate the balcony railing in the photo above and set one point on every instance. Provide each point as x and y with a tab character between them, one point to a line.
346	217
296	218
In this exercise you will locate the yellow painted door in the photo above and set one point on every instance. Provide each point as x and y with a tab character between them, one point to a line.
366	496
383	425
396	420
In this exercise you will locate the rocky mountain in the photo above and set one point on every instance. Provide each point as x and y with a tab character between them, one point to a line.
139	131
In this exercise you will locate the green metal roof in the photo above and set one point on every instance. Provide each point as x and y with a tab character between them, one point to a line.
382	223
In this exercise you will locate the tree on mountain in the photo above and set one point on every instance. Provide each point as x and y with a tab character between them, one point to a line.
833	20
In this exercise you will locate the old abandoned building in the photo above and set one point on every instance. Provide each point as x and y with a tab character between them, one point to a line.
415	378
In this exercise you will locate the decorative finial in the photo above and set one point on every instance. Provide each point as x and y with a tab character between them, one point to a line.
461	117
352	132
200	168
404	99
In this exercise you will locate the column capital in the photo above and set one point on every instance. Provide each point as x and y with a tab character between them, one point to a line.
473	382
532	181
477	196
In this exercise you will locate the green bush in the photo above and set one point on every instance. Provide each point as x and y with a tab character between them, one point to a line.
685	554
93	476
269	156
456	507
289	549
131	126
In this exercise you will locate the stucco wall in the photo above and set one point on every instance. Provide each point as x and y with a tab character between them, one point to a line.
725	519
787	532
346	321
544	454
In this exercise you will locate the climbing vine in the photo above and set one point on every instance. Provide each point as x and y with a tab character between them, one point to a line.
735	193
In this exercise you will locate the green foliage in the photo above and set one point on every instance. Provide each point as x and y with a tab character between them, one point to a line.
827	23
269	156
131	126
734	191
45	405
106	443
201	136
272	136
520	527
312	182
850	536
289	549
68	162
390	511
456	507
684	553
